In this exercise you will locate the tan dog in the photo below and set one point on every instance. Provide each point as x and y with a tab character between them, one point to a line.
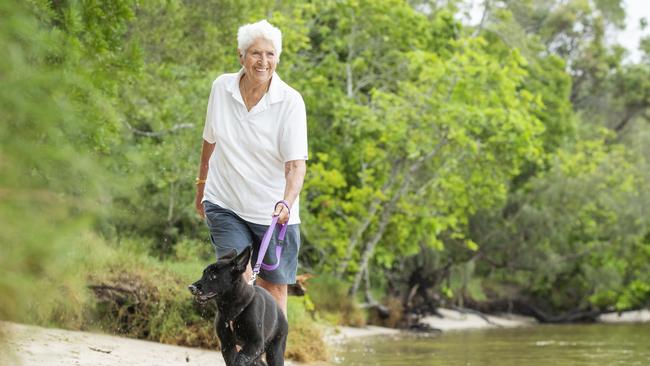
300	287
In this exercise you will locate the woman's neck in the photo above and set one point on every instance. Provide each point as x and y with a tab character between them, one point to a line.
252	92
254	88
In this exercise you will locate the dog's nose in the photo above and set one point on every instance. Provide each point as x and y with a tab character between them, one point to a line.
192	289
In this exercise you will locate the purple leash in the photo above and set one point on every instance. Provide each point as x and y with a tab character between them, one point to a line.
264	245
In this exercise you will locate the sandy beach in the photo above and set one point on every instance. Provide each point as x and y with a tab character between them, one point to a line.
29	345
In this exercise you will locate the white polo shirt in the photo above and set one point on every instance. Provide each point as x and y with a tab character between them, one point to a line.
246	169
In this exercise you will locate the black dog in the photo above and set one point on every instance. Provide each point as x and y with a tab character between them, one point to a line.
248	316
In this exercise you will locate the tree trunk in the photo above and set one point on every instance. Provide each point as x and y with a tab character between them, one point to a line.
388	212
170	207
354	240
374	206
629	115
383	223
370	250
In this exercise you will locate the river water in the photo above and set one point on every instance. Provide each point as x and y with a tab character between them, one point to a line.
556	345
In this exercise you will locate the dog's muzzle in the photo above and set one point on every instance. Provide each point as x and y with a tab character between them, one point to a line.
193	289
199	295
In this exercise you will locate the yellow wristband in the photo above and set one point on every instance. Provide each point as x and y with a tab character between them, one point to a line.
198	181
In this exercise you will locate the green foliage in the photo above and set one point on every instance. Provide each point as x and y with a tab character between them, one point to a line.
571	225
334	305
419	131
56	124
583	219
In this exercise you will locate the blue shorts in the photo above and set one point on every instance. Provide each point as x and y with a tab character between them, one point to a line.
229	231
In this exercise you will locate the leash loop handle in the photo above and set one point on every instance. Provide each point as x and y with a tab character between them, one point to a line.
264	246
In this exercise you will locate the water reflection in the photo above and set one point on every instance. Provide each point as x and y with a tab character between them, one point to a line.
578	345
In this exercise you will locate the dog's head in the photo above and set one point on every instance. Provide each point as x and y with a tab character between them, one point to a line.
220	277
300	287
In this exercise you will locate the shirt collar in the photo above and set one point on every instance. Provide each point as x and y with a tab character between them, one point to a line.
275	93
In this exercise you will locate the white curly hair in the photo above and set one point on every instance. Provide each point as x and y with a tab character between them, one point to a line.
248	33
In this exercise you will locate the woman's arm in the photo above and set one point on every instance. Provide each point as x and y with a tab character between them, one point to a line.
294	175
206	152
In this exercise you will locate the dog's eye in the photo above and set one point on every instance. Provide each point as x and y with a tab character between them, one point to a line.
213	277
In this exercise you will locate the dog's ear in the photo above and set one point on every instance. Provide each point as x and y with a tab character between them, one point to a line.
241	261
232	253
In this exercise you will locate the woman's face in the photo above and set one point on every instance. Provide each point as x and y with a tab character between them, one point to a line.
259	60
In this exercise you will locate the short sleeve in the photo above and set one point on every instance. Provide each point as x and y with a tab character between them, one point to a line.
208	129
294	135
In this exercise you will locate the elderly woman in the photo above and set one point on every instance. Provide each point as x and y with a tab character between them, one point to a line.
253	157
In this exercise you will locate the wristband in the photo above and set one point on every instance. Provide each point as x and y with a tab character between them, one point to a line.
198	181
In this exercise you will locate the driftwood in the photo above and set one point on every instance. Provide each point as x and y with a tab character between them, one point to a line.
382	311
419	299
464	310
125	305
119	295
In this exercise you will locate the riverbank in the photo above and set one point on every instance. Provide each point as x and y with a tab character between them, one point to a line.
29	345
450	320
456	320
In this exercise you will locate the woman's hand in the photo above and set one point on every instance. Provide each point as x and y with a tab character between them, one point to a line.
282	211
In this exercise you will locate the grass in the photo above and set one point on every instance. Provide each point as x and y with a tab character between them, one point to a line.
129	293
305	342
125	291
335	306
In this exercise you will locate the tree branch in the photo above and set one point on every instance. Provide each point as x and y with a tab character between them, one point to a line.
159	133
486	10
358	233
630	115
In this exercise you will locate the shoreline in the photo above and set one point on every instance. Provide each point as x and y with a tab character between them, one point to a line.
451	321
626	317
454	320
30	345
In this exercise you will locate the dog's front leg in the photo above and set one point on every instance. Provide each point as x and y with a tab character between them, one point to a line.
228	345
229	355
